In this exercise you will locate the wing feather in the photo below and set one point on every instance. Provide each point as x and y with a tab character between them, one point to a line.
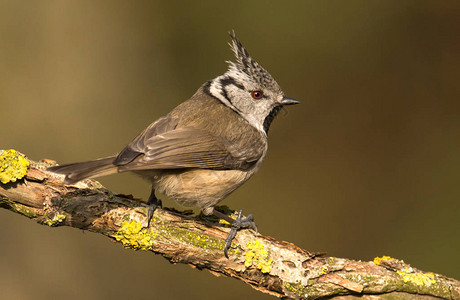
137	145
189	147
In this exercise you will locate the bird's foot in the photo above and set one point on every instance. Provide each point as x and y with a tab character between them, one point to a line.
237	224
152	203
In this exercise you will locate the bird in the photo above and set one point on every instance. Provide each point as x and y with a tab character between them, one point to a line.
206	147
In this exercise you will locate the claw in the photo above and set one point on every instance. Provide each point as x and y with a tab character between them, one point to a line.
153	203
229	239
236	225
152	208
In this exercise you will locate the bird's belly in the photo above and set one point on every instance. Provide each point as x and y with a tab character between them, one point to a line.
197	187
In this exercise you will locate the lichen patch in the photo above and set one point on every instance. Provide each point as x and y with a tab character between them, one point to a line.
55	221
13	166
417	278
134	236
378	260
257	256
407	273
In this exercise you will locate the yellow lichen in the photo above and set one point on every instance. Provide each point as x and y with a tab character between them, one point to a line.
132	235
377	260
257	256
408	274
13	166
58	218
232	214
417	278
297	288
223	222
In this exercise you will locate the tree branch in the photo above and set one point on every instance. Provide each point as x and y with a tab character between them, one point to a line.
273	267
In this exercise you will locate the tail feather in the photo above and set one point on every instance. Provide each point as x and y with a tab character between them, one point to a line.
88	169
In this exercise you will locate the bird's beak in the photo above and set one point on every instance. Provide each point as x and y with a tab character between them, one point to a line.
289	101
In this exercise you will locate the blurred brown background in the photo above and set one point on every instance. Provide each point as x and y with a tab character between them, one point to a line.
367	165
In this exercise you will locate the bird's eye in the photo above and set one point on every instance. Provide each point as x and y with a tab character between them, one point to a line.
257	94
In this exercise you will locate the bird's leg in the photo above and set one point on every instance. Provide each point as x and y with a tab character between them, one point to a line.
236	224
153	203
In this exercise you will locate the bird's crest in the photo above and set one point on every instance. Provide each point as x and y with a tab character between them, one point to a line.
246	64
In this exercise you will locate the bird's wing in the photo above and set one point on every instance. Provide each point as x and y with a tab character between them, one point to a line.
188	147
137	146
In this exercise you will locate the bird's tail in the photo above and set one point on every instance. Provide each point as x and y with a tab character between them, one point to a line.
87	169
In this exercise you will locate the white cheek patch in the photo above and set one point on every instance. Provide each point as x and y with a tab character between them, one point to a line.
252	113
215	90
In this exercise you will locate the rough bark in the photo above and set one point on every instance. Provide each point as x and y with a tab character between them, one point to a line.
273	267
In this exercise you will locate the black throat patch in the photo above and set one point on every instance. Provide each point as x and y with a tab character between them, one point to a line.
271	116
